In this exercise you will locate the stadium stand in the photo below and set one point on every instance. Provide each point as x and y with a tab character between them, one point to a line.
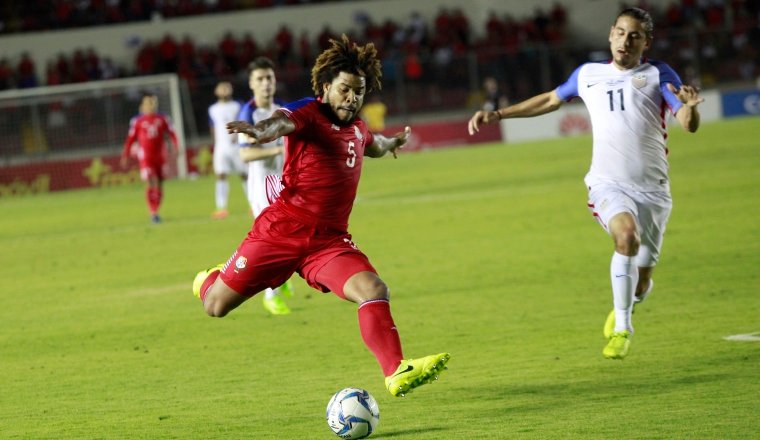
41	15
721	37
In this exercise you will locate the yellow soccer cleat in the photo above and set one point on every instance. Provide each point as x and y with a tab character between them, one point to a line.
412	373
201	277
609	324
287	289
618	346
276	306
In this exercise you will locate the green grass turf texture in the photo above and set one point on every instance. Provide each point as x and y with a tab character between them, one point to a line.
490	254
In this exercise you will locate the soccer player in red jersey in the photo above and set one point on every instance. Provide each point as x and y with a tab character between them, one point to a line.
305	229
149	129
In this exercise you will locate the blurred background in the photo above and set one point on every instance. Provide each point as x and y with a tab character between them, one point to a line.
441	59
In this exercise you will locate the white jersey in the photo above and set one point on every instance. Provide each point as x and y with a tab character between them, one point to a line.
258	170
226	155
219	114
628	118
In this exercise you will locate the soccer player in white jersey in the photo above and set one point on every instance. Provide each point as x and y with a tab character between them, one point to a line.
264	160
629	192
226	157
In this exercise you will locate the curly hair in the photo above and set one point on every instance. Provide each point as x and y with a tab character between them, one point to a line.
345	56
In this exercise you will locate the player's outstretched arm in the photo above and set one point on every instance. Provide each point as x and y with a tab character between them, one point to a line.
383	144
124	157
264	131
535	106
687	115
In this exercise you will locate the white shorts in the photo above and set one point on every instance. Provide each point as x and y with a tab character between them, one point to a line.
650	209
262	192
227	161
263	177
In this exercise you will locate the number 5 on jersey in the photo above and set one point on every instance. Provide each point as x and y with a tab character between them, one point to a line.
351	161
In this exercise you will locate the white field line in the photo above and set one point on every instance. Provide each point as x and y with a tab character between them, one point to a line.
746	337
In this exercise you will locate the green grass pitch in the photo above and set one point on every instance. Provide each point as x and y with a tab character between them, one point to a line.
490	254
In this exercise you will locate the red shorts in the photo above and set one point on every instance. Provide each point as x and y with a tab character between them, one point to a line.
279	245
151	168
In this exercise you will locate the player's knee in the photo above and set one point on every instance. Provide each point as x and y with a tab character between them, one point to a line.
378	289
370	290
627	242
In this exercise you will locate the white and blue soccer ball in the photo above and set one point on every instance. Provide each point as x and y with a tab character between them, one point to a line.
353	413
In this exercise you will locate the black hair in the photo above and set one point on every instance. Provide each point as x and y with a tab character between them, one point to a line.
260	63
642	16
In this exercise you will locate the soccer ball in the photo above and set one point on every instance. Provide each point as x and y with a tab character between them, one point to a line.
353	413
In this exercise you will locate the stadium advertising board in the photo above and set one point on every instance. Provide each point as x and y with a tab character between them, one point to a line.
452	133
92	172
102	171
741	103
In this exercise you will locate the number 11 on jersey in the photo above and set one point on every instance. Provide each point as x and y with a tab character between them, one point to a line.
622	104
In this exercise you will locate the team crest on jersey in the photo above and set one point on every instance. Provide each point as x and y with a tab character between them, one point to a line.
639	80
358	133
241	262
335	127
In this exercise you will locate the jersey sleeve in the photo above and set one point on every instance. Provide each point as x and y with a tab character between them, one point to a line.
569	89
245	115
300	112
131	136
669	76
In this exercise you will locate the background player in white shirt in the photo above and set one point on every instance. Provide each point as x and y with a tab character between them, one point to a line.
226	157
264	160
629	192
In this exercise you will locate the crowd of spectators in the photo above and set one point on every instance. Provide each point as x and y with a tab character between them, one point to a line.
76	67
406	46
425	51
709	39
38	15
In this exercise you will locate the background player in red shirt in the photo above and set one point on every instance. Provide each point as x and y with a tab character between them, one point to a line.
149	129
305	229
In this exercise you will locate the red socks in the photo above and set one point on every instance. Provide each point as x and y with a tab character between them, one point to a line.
380	334
153	196
208	283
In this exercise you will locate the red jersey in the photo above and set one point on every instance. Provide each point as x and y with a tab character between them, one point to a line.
149	131
323	162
